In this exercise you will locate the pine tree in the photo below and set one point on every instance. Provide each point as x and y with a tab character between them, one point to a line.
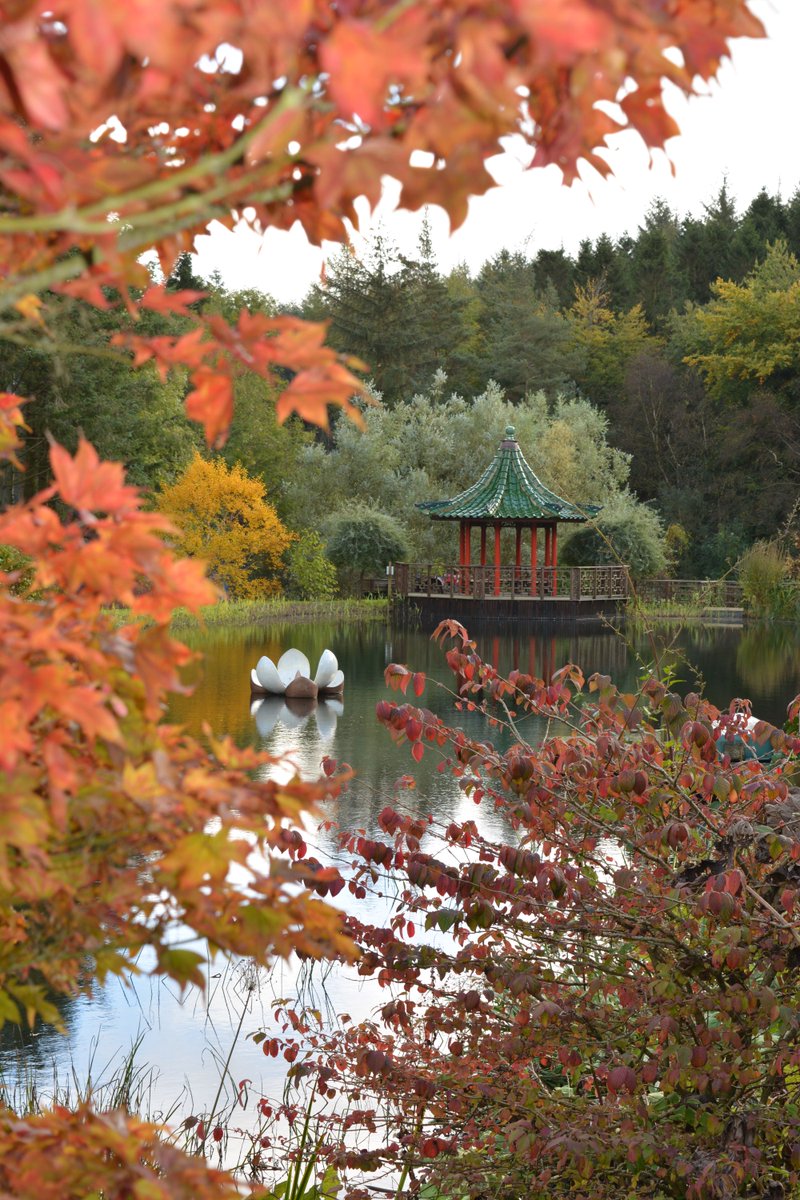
525	339
658	280
394	312
707	247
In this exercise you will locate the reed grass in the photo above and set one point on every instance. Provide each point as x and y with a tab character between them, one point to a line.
240	613
121	1083
642	611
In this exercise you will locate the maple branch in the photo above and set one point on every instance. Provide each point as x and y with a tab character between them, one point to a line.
76	220
768	907
135	238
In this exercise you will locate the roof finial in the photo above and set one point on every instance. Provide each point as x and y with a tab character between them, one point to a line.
511	433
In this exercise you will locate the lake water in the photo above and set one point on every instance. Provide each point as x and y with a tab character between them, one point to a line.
185	1043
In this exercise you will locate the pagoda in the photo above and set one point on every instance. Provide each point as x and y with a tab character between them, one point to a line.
508	493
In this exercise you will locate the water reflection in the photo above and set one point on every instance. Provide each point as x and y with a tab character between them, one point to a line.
769	659
294	713
186	1036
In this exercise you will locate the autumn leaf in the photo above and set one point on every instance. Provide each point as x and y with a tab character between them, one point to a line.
362	61
30	307
211	403
200	857
310	393
86	483
184	966
645	110
566	29
162	299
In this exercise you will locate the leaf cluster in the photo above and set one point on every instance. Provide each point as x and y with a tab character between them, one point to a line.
225	519
605	1001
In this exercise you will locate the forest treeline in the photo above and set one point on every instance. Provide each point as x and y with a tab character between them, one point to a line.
658	374
685	336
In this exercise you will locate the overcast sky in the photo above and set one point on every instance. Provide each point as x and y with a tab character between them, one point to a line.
744	128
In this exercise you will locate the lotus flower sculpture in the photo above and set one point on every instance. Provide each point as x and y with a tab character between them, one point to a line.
292	676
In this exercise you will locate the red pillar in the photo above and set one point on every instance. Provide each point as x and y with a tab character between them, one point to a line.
534	551
461	543
547	560
465	575
554	552
497	559
518	554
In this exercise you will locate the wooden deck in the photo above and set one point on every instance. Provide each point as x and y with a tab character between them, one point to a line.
510	594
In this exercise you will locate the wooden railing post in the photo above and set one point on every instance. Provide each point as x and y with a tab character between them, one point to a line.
574	583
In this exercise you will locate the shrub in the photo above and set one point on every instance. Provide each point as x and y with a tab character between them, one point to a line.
310	575
764	573
362	539
591	991
224	517
623	532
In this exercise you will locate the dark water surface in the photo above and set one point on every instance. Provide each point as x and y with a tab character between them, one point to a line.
187	1042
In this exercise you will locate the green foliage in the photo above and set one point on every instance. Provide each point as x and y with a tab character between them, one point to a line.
434	445
13	561
606	342
310	575
363	540
624	532
717	553
676	543
526	344
395	313
83	384
655	262
749	334
768	590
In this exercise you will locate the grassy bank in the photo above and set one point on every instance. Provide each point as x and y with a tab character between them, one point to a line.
668	610
239	613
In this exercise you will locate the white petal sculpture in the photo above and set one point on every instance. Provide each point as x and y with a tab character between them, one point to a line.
326	669
291	664
335	683
292	676
268	677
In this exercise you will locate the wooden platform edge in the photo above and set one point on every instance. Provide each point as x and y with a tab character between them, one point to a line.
432	609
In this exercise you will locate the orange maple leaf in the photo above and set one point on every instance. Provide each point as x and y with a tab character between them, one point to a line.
310	393
211	403
363	61
89	484
566	29
160	299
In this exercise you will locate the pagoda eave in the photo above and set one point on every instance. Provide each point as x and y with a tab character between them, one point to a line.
510	521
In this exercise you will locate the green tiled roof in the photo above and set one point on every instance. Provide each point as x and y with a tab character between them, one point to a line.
508	490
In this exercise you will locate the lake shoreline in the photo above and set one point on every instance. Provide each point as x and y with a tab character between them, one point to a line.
263	613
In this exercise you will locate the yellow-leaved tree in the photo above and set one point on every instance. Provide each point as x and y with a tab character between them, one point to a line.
224	517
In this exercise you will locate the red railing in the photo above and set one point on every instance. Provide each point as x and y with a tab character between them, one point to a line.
544	583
